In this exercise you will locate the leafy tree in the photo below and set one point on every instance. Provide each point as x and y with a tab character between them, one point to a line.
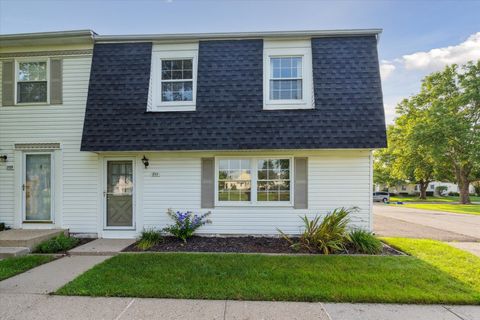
449	127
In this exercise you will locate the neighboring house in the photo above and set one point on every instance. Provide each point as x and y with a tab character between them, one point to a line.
412	189
103	134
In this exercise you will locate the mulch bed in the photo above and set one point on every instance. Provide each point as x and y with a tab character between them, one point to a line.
231	244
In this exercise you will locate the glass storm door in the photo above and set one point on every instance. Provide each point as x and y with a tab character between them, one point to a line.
38	187
119	206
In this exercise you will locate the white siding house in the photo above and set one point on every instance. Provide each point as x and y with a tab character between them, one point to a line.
46	167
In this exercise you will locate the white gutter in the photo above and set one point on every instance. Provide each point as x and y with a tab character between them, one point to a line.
53	34
236	35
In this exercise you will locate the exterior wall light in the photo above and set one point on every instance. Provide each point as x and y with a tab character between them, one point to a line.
3	158
145	161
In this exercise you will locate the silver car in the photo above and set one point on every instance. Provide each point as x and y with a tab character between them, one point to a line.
381	197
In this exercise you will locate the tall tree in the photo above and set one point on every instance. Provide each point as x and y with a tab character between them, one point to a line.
450	126
413	159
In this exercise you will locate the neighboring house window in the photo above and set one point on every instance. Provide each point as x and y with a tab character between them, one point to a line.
287	75
32	83
404	188
254	181
416	187
432	187
173	83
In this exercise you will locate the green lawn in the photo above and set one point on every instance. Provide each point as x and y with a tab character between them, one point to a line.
447	207
431	278
431	199
12	266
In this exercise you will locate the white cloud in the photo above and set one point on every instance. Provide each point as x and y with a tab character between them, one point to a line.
386	69
438	58
401	77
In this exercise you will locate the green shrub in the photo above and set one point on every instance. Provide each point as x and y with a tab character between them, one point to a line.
185	223
60	243
148	238
365	242
328	236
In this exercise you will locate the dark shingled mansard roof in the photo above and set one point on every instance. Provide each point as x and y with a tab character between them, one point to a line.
229	109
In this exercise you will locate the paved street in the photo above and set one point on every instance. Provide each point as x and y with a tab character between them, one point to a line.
395	221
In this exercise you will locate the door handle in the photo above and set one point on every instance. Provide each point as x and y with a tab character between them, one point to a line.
23	187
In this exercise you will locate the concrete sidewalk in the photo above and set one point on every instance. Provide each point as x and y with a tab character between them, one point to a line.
32	306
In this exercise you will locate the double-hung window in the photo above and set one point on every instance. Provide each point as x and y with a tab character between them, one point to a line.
287	75
174	75
254	181
32	81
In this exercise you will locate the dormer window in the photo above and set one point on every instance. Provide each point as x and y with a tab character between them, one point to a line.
177	80
287	75
173	82
286	78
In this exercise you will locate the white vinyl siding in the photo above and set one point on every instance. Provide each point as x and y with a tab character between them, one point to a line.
55	124
336	179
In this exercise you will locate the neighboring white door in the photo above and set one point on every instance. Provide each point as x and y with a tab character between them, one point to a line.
38	187
119	194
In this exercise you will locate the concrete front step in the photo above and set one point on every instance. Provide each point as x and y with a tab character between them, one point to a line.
28	238
8	252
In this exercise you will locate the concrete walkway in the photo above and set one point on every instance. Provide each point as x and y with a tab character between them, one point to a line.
472	247
102	247
31	306
417	223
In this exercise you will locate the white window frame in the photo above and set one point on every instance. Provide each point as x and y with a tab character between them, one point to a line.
17	68
254	178
172	52
282	49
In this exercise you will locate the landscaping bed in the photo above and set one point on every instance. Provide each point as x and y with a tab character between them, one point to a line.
60	244
248	244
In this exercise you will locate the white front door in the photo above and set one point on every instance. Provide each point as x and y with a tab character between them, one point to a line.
119	194
38	187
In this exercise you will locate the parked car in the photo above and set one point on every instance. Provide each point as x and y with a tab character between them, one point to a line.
381	197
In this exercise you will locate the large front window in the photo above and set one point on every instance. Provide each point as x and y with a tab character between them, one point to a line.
254	180
32	84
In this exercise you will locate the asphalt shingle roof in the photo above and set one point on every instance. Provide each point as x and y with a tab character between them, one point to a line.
229	110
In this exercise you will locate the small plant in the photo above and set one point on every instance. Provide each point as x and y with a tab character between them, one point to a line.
365	242
148	238
328	236
60	243
185	223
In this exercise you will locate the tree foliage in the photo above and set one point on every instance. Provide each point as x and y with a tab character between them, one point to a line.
437	132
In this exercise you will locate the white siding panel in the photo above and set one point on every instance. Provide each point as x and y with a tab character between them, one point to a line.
63	124
338	179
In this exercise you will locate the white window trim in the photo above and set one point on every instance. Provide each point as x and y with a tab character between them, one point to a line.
157	56
307	77
36	59
253	195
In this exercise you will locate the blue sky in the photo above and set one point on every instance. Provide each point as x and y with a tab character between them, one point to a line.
411	28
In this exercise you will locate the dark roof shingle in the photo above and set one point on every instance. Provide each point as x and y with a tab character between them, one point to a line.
229	110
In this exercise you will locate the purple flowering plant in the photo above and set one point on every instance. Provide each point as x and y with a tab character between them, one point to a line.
185	223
